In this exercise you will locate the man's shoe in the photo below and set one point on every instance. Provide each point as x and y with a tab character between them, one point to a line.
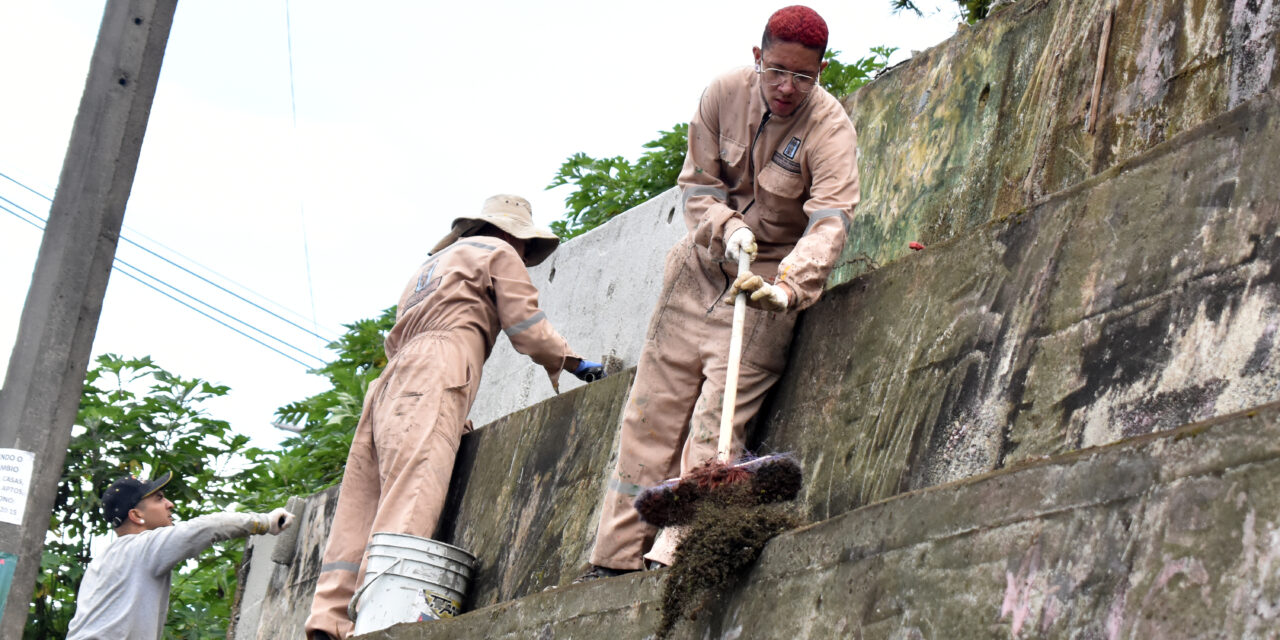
598	572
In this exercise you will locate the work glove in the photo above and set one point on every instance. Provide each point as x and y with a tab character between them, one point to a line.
278	520
588	371
740	240
762	294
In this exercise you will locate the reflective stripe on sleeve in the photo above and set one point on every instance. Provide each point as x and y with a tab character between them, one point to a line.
693	192
517	328
826	213
340	566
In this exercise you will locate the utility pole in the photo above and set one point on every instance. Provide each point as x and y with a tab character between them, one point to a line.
46	371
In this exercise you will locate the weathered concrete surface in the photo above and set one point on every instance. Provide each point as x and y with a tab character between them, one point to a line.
253	580
1175	535
280	609
996	118
526	490
1145	298
598	290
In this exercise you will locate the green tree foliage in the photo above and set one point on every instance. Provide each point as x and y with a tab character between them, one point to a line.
841	80
315	458
606	187
971	11
136	418
609	186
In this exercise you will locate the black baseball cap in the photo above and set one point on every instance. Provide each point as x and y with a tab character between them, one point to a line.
125	494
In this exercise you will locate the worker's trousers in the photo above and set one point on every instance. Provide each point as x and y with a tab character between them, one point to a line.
671	422
398	470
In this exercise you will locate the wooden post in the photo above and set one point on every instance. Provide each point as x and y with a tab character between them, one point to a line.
46	372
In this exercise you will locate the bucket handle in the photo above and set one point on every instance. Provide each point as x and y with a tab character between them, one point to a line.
355	598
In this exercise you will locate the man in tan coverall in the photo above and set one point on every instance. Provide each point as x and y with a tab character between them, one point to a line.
771	165
474	284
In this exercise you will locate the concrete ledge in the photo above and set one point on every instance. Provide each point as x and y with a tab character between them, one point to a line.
1171	535
526	490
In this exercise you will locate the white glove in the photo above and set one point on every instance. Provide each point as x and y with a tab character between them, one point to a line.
763	295
740	240
278	520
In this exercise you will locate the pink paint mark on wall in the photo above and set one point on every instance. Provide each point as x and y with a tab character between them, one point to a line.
1154	59
1017	592
1115	616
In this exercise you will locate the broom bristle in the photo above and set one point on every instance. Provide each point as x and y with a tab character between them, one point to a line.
773	479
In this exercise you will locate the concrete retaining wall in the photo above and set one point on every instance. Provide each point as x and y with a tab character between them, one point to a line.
1143	299
1166	536
1079	289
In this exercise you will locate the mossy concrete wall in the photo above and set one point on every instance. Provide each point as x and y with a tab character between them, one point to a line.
1133	297
998	117
1175	535
1141	299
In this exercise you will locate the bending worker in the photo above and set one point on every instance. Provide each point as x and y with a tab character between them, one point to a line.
474	284
771	165
125	591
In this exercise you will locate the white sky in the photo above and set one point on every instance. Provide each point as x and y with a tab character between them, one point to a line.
408	114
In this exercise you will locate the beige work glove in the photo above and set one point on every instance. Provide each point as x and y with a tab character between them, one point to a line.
278	520
740	240
763	295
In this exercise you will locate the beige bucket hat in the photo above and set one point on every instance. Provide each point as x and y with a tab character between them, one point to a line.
514	215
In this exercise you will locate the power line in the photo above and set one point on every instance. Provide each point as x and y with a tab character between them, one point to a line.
121	263
37	225
224	313
166	294
302	213
192	273
2	175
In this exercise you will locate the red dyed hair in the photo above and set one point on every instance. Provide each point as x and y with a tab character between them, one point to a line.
799	24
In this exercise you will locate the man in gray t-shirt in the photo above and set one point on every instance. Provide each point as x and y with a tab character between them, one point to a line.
125	591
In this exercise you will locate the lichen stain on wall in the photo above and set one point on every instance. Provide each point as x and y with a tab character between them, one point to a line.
1194	368
996	118
1254	24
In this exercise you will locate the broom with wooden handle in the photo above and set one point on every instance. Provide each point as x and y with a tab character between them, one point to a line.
772	478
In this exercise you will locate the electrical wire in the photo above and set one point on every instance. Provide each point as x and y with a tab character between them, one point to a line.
39	225
293	105
188	271
167	295
121	263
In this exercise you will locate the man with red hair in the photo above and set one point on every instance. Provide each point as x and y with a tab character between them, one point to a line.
771	171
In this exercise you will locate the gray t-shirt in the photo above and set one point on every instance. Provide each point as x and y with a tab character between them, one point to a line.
125	591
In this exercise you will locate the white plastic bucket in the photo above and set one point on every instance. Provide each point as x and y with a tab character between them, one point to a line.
410	579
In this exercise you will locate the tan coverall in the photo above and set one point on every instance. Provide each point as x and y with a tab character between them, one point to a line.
793	181
415	413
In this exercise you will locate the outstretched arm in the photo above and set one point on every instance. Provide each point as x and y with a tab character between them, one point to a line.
168	547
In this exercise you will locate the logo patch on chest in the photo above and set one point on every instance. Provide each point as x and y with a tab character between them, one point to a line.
792	148
786	158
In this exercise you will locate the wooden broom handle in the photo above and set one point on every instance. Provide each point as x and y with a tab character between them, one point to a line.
735	362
